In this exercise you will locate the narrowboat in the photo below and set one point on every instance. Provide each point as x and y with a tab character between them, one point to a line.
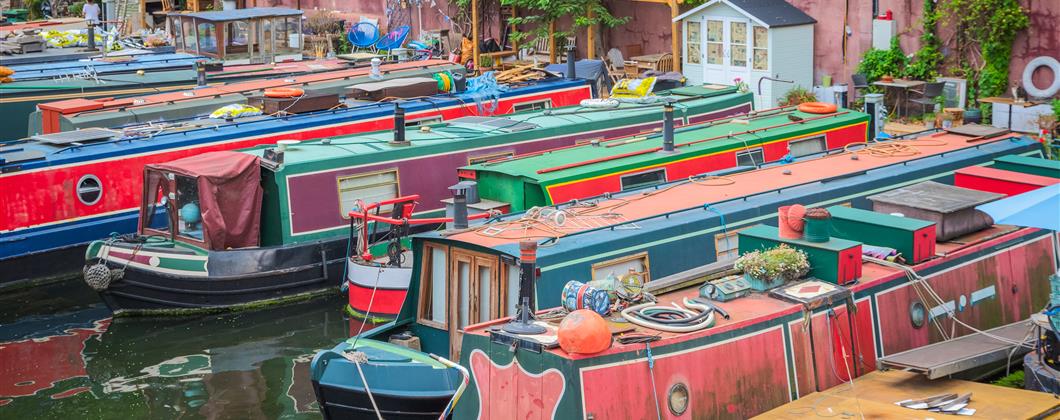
189	100
674	238
613	165
299	248
90	180
103	66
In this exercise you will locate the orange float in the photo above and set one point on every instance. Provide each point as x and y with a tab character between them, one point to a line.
283	92
817	107
584	331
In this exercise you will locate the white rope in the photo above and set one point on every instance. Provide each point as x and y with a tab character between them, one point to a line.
368	389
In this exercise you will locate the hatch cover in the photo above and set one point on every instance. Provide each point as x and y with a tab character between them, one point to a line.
506	125
76	137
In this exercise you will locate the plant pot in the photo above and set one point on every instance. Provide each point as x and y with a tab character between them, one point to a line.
763	285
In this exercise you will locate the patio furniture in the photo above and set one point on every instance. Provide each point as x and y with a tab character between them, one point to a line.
651	61
363	35
929	94
860	83
393	39
901	88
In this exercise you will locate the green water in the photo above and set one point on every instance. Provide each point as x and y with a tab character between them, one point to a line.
61	356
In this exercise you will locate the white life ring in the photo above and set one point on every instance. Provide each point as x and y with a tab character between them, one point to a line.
1028	71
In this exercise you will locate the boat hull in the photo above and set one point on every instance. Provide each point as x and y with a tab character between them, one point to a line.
377	291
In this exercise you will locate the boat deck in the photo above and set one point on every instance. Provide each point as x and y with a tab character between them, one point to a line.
872	396
941	359
758	307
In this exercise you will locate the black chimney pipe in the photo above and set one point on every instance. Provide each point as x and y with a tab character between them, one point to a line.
459	206
399	126
571	74
520	324
668	127
200	72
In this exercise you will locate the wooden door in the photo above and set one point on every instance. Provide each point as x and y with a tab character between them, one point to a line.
475	295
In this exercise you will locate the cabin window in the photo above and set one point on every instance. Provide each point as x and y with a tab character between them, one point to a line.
727	245
808	146
89	190
643	179
753	157
370	188
532	105
189	214
692	42
474	160
636	264
512	289
433	287
207	38
423	121
760	60
715	41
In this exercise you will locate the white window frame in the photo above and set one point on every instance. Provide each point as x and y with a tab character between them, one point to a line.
605	265
426	298
532	105
818	138
433	119
623	178
340	190
750	152
731	239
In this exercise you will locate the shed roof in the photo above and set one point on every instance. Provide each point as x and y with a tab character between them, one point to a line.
771	13
241	14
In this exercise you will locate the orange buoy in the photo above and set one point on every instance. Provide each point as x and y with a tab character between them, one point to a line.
584	331
817	107
283	92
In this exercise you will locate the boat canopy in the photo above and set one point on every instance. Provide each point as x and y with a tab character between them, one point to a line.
242	36
215	198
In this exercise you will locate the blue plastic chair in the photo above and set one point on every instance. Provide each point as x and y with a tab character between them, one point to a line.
393	39
363	35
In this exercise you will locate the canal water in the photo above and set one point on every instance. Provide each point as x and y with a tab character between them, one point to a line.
62	356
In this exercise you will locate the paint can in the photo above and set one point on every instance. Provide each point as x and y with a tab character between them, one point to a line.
818	222
578	295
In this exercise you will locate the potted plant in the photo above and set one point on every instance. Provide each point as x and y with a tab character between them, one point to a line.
485	63
773	267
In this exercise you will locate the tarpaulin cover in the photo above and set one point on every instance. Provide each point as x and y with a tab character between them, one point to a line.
229	195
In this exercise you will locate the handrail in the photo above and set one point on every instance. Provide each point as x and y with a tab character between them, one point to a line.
364	214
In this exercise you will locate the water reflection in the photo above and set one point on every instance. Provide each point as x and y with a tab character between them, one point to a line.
61	355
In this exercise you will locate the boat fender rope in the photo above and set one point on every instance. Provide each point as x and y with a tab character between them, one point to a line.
358	357
97	276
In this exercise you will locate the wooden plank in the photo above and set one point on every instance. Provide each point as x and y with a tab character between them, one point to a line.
874	394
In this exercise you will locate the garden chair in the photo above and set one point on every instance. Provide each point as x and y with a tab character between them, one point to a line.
928	96
393	39
363	36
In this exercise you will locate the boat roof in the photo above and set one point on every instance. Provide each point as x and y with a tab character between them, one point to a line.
587	160
645	205
103	65
73	106
468	129
240	14
97	143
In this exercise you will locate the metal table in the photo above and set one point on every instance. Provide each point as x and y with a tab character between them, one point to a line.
902	86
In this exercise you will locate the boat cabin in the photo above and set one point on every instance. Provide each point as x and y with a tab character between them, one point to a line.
724	146
467	277
241	36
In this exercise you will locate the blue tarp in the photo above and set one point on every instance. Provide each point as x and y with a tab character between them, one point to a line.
1039	208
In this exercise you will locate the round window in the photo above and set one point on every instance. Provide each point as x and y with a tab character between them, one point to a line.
89	190
678	399
917	313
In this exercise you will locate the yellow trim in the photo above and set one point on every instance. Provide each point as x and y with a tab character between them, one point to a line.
549	188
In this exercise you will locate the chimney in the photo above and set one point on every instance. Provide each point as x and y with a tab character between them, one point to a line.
399	126
520	324
571	73
668	128
200	73
459	205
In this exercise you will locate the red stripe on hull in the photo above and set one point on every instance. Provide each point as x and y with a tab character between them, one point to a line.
48	196
386	303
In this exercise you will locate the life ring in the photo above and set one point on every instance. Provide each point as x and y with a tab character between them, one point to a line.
817	107
1028	72
283	92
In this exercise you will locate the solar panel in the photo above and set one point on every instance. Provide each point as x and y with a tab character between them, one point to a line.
76	137
18	154
506	125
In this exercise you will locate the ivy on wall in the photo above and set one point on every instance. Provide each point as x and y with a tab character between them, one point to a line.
927	60
984	33
878	63
539	13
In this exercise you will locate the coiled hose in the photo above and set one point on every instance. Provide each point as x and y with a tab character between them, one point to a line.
671	319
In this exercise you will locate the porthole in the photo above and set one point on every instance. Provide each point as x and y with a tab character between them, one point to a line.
678	399
89	190
917	314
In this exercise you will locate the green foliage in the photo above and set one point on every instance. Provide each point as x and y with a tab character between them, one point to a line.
780	262
797	95
33	6
1056	107
75	9
926	61
989	26
539	13
343	45
878	63
1013	380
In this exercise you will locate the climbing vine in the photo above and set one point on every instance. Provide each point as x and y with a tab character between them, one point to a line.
926	61
878	63
539	13
984	31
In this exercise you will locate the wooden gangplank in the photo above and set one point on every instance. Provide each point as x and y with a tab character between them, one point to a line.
963	353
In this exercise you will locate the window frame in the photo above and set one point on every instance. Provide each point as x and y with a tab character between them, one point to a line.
722	237
697	40
622	178
384	209
426	283
547	102
645	275
421	121
754	48
820	137
749	152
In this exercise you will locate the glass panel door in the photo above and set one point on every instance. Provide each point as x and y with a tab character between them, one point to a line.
474	297
738	43
715	42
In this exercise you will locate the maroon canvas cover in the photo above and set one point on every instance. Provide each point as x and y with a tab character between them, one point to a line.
229	196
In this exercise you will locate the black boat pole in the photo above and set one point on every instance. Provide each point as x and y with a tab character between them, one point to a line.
520	324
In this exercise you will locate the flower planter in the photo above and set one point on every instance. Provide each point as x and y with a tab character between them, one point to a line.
763	285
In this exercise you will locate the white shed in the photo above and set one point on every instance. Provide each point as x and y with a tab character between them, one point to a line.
749	40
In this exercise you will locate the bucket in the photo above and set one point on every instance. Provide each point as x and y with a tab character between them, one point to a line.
817	229
973	116
577	295
790	221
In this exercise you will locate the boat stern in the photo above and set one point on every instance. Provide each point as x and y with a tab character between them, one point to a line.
376	290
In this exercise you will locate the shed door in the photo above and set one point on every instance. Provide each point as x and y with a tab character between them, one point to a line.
726	44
